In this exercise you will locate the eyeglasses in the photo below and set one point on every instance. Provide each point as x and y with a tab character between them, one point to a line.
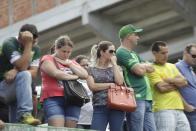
112	51
192	55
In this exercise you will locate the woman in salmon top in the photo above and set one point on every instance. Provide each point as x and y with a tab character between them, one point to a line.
57	111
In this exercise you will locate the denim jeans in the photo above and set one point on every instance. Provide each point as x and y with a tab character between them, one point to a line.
192	119
171	120
142	119
56	107
103	115
23	103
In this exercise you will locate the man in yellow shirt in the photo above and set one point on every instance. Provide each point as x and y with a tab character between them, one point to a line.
167	102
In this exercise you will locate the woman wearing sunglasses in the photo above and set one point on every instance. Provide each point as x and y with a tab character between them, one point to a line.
103	74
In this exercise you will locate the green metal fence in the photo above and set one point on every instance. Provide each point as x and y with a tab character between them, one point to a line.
24	127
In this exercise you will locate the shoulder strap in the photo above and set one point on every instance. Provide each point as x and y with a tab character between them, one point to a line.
55	62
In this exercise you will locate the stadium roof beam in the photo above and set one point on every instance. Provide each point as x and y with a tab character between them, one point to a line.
186	8
140	12
126	5
86	43
164	30
101	26
155	19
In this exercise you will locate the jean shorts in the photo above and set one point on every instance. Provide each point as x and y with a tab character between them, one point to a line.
56	107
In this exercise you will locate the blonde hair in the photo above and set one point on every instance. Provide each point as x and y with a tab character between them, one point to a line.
96	50
93	55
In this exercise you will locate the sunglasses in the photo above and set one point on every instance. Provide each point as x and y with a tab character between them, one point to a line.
193	56
112	51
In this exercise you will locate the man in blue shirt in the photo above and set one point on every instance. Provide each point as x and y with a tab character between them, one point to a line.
189	94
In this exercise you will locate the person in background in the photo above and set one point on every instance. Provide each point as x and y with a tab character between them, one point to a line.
86	112
103	74
185	66
19	60
135	70
166	81
58	111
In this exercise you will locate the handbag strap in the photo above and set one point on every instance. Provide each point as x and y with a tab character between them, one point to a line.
57	66
130	89
124	82
55	62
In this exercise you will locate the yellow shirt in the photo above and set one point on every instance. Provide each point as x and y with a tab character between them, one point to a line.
168	100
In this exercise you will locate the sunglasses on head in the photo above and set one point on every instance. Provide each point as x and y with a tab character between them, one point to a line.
112	51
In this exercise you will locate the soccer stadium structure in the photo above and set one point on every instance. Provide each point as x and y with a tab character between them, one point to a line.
90	21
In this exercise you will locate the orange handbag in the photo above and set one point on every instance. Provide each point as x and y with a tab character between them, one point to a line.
121	98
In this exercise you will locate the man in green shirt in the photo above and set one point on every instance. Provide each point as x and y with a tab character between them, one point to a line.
134	70
19	60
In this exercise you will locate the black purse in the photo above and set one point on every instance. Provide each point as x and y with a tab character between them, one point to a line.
74	92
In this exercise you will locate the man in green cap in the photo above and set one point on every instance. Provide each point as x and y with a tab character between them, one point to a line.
134	70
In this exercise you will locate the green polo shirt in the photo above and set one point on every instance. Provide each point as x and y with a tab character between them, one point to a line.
127	60
10	51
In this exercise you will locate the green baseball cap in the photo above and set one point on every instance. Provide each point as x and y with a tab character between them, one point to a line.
128	29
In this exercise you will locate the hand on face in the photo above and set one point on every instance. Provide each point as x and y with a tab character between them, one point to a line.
113	60
26	38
